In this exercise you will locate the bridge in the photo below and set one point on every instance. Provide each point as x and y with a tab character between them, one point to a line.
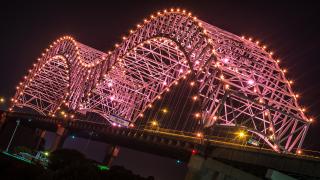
233	95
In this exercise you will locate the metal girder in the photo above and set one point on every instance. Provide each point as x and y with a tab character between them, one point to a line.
163	50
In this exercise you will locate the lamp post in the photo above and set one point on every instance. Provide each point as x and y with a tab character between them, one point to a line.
14	132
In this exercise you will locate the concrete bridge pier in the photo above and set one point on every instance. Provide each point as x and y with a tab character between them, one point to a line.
112	152
61	135
3	119
40	139
210	169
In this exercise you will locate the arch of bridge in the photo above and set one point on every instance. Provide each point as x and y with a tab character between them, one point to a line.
215	57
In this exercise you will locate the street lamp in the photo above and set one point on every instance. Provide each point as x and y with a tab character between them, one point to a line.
154	123
164	110
2	100
241	134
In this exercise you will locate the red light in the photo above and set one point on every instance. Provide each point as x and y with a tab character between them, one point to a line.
194	151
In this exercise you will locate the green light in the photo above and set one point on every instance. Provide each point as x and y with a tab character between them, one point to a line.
46	153
18	157
103	168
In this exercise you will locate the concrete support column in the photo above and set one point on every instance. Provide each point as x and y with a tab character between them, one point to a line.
3	120
59	139
209	169
112	153
195	165
40	139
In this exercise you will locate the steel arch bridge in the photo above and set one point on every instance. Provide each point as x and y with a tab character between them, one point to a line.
239	83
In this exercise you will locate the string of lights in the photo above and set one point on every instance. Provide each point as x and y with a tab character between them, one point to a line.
238	81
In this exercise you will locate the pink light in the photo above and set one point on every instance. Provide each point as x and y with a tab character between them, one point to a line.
110	84
250	82
114	124
197	62
164	83
225	60
181	70
112	98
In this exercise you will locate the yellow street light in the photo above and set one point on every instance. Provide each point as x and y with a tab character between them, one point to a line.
194	98
199	134
241	134
154	123
299	152
2	100
165	110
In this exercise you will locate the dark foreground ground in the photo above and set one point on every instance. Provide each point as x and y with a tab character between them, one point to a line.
66	165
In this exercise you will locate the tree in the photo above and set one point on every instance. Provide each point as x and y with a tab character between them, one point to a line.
24	149
71	164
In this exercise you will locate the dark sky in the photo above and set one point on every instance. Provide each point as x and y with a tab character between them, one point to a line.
289	28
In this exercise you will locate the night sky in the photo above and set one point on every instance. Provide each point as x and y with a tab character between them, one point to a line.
290	29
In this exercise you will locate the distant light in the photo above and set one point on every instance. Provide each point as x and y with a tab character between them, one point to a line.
260	100
46	153
73	137
197	115
250	81
103	168
241	134
178	162
271	137
2	100
225	60
199	134
270	128
299	151
154	123
164	110
194	152
110	84
194	98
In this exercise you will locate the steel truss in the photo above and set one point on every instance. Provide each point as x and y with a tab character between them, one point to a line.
240	84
